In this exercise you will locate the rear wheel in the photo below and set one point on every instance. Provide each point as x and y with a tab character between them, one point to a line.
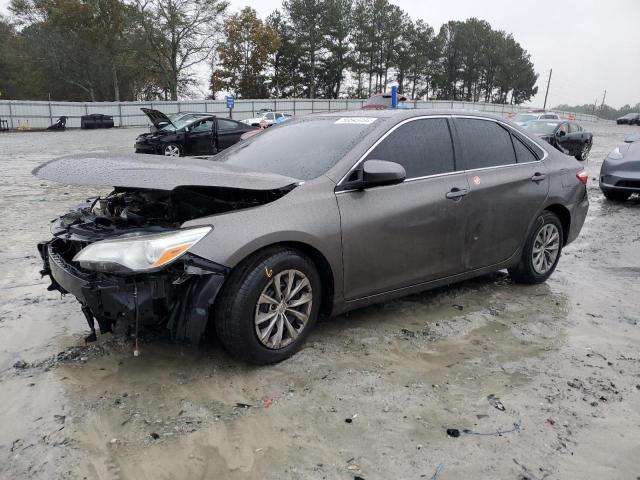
172	150
615	195
541	251
268	306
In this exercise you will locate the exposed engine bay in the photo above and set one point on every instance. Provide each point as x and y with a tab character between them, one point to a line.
177	297
134	208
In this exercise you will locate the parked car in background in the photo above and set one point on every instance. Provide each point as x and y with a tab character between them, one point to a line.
620	171
524	118
629	119
286	225
160	120
568	137
266	119
200	136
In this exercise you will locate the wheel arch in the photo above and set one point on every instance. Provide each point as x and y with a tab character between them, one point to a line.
320	262
564	216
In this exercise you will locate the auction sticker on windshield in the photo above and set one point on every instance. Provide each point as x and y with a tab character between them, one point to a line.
356	120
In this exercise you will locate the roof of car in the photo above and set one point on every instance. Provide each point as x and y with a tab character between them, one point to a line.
406	113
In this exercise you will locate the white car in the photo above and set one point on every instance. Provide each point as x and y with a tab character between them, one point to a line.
267	119
524	118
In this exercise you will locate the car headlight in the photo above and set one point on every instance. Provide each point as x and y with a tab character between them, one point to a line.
141	253
615	154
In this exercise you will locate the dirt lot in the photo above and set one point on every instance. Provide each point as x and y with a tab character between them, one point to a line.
541	382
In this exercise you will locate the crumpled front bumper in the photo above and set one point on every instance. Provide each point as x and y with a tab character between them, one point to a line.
177	300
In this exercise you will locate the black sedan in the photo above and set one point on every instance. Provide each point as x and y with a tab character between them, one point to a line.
568	137
629	119
199	136
620	171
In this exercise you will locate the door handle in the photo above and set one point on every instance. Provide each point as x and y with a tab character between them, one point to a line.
538	177
456	193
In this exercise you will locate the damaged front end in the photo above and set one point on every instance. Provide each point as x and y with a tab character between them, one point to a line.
126	259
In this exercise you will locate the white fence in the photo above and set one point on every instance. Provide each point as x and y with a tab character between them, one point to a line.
38	115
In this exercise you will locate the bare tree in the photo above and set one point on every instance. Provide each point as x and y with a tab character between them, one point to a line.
180	34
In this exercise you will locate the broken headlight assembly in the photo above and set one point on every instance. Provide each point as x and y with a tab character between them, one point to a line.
142	253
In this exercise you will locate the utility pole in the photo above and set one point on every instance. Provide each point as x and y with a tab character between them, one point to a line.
603	97
547	92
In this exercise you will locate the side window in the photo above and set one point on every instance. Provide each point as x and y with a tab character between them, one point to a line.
523	154
564	127
575	128
226	125
269	116
484	143
423	147
206	126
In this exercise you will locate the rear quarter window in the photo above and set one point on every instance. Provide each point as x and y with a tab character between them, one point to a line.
523	153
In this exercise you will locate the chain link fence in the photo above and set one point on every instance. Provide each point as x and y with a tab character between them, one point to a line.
39	115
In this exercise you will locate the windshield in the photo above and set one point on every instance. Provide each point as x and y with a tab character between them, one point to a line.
630	115
542	127
524	117
303	149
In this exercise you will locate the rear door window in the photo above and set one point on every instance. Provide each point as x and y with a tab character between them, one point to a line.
423	147
484	143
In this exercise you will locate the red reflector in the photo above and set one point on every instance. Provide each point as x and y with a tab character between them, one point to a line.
582	176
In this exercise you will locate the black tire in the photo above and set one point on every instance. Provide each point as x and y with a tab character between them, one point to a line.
172	147
525	272
615	195
235	309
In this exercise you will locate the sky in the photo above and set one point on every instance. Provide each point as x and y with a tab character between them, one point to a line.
591	45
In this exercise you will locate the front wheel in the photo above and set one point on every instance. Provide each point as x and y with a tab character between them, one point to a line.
541	251
172	150
268	306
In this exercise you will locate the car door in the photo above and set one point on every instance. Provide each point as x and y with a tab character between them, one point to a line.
400	235
576	138
228	133
507	186
200	137
563	139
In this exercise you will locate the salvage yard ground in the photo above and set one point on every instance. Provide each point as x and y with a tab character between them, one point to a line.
539	382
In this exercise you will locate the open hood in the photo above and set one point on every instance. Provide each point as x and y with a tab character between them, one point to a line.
155	172
158	118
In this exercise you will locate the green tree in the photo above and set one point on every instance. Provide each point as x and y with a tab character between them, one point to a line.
305	18
244	55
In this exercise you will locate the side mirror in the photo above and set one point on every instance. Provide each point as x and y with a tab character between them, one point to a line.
186	129
561	133
381	172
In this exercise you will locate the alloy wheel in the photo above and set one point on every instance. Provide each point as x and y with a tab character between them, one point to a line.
546	248
586	148
171	151
283	309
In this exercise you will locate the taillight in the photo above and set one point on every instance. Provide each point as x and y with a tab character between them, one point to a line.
582	176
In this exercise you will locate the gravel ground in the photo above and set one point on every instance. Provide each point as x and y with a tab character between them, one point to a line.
539	382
